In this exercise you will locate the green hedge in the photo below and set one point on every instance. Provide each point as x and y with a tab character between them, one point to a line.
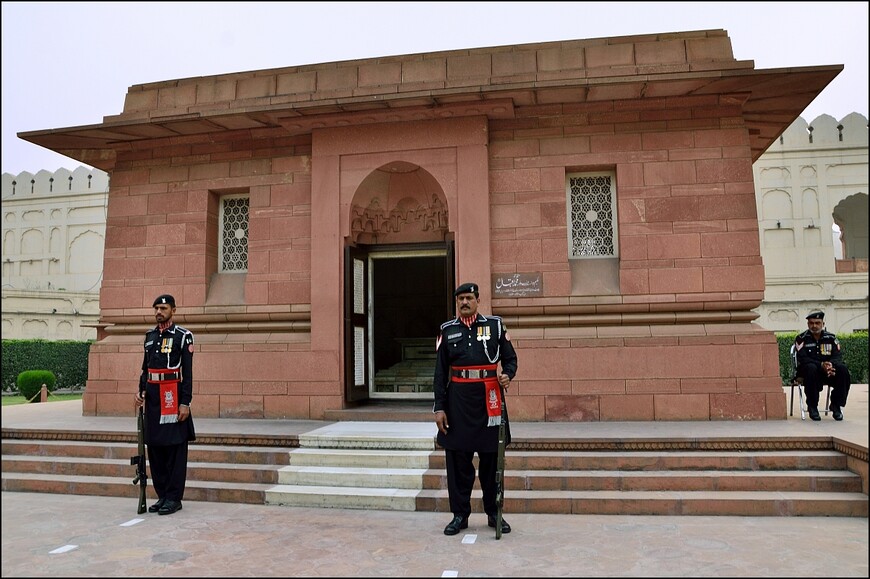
66	359
854	355
30	383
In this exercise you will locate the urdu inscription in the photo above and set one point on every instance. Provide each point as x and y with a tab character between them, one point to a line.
517	285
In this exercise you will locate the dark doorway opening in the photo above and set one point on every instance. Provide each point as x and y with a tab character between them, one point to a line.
410	301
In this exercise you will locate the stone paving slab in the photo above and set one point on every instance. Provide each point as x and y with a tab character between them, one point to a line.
77	536
53	535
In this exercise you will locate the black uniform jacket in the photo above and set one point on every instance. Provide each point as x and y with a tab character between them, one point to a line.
825	349
465	402
172	348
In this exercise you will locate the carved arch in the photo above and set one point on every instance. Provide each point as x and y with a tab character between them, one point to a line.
399	202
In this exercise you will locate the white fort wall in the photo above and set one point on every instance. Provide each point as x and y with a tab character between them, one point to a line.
813	177
54	227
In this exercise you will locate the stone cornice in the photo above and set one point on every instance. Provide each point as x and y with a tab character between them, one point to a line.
653	68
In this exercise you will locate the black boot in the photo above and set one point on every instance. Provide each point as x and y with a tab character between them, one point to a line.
156	506
458	523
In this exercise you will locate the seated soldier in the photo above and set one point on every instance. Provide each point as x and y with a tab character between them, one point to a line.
820	362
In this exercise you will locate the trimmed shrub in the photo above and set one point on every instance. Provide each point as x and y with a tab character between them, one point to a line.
30	383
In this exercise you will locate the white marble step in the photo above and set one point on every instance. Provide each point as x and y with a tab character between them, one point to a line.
394	478
351	457
372	435
343	497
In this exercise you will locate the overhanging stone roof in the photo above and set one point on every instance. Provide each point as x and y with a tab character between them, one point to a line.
484	81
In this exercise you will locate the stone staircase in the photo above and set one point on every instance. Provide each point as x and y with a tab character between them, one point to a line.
408	376
384	468
678	478
414	373
372	465
219	473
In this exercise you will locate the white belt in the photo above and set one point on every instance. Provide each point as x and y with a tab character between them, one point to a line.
161	377
475	374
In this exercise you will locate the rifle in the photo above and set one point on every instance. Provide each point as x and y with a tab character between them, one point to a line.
499	472
139	460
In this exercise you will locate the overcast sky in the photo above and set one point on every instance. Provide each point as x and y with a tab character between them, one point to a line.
69	64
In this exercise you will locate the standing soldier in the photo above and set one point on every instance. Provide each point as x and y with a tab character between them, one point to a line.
819	362
166	389
468	399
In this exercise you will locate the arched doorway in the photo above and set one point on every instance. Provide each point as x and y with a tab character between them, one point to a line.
398	281
850	215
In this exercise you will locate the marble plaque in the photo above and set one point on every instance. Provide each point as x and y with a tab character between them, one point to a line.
518	285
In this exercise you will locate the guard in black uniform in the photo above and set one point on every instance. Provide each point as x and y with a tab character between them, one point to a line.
820	362
468	400
166	389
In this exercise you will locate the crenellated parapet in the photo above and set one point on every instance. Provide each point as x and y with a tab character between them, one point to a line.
60	182
824	132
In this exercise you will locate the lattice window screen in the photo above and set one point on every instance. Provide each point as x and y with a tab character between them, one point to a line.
592	216
358	286
234	234
359	356
359	333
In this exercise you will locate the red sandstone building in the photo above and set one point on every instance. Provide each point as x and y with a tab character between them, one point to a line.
311	222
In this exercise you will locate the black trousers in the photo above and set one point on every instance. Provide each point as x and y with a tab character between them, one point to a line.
460	480
815	378
168	470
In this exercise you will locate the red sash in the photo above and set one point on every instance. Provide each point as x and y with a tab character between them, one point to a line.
168	402
493	401
493	391
168	393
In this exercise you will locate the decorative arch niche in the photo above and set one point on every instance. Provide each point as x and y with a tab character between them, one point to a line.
399	202
776	204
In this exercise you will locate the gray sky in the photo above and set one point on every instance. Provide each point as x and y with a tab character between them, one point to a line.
69	64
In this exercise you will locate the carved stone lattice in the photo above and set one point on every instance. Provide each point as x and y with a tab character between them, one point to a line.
234	234
592	216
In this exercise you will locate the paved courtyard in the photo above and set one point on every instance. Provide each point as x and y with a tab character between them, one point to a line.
86	536
79	536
